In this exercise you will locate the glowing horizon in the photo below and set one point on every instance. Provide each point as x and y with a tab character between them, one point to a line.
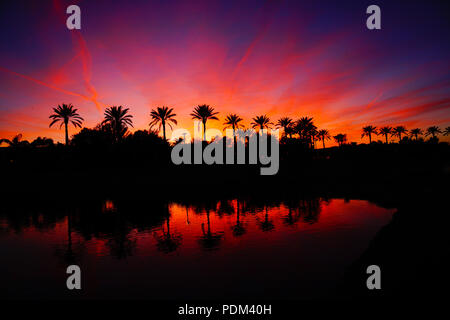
274	58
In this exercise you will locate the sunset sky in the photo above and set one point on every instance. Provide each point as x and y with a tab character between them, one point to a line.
280	58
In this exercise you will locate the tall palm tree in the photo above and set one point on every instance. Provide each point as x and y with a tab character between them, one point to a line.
305	128
262	122
368	131
433	131
398	131
204	112
119	120
232	121
385	131
416	132
340	138
323	135
447	131
285	123
66	113
162	116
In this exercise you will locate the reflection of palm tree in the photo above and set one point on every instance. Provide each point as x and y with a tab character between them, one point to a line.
290	219
68	256
238	228
323	135
416	132
187	215
119	120
310	209
209	240
385	131
225	207
398	131
162	116
204	113
66	113
267	224
168	242
368	131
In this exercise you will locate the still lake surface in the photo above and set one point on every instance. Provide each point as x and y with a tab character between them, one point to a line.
181	250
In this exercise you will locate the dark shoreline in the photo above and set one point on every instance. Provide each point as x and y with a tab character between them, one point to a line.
411	250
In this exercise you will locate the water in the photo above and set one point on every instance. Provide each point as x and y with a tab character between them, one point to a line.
184	250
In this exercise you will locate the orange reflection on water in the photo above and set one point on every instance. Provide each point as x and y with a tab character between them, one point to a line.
203	249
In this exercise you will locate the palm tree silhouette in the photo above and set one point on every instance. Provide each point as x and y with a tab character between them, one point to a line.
416	132
368	131
204	112
433	131
261	122
340	138
398	131
42	142
447	131
233	121
385	131
119	120
162	116
323	135
14	142
305	128
66	113
285	123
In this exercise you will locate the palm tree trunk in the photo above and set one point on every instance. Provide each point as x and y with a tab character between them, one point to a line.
164	131
67	132
234	146
204	130
386	138
370	138
323	142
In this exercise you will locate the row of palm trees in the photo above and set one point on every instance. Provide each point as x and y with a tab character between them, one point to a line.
400	131
118	119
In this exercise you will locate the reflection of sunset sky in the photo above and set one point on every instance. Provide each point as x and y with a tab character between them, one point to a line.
280	58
